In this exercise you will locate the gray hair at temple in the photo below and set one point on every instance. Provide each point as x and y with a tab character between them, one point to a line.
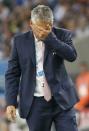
42	13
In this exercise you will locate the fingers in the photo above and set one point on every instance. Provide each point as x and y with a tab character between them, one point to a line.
40	29
11	117
42	32
11	114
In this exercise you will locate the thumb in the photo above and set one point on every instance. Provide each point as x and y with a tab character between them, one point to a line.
14	113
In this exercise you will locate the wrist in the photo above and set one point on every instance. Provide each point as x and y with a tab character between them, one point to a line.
48	37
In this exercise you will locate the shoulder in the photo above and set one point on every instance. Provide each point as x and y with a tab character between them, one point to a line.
19	38
21	35
62	32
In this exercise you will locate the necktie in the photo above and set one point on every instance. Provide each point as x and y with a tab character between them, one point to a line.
46	89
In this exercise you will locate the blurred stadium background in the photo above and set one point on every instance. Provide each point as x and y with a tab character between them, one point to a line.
70	14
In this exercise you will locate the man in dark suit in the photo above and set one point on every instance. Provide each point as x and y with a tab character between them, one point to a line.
36	72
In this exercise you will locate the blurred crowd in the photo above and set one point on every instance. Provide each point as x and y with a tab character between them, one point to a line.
15	15
14	18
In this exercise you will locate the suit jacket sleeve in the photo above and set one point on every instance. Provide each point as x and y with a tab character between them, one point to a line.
12	77
64	48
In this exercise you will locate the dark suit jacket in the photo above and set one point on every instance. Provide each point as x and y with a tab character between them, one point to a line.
20	78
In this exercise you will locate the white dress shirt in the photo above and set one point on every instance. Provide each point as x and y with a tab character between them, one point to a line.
40	76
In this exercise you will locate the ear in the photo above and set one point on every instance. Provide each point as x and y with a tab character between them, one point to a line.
30	24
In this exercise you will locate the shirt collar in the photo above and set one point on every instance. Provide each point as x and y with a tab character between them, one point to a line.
36	40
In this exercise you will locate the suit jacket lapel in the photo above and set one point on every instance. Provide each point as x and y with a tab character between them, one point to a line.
32	47
45	53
